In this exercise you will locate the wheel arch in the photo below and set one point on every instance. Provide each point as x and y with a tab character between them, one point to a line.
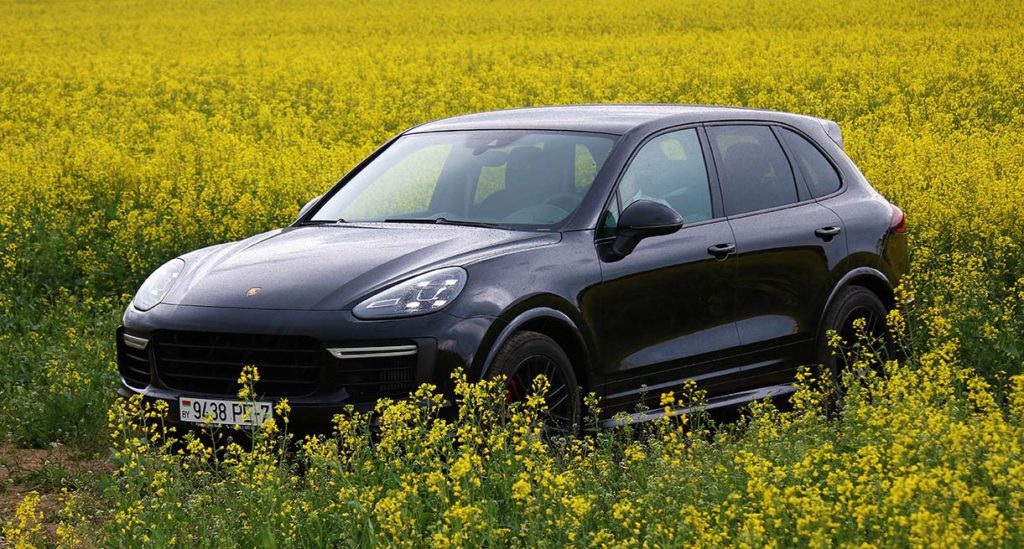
866	277
555	324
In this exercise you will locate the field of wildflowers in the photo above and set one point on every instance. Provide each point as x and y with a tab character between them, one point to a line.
131	132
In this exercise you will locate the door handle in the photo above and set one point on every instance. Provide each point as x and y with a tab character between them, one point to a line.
722	251
827	233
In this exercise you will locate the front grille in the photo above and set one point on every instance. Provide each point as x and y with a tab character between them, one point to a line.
289	366
212	362
133	364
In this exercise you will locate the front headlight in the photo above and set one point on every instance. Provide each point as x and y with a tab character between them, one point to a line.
420	295
155	288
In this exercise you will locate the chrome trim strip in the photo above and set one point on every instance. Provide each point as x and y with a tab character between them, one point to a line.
712	404
656	389
346	353
135	342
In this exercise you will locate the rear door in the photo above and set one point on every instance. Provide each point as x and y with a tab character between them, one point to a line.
786	246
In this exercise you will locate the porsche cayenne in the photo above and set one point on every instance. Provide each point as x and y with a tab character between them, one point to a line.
618	249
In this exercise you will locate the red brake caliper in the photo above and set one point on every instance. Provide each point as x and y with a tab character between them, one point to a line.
508	391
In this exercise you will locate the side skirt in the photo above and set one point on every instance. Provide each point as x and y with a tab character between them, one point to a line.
723	401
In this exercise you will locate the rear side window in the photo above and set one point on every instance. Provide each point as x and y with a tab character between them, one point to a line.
819	173
755	172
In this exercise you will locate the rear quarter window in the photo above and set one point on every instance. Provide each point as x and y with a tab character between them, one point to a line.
821	176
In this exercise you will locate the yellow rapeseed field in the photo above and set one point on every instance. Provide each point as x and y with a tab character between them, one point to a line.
131	132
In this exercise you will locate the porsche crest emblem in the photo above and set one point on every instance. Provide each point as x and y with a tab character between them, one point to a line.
253	291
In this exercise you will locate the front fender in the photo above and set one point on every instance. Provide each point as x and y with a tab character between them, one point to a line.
515	321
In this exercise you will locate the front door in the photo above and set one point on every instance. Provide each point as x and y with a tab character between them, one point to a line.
664	313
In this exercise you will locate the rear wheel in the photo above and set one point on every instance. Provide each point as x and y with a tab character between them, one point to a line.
527	355
850	304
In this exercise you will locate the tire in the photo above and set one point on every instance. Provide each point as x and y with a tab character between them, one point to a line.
851	303
525	356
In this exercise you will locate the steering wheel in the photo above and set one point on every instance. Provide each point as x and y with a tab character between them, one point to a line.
564	201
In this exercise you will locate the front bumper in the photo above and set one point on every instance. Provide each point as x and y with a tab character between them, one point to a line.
442	343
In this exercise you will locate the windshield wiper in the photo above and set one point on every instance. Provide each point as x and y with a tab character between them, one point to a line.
443	221
324	221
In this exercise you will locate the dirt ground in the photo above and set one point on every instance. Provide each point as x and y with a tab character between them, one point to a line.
46	471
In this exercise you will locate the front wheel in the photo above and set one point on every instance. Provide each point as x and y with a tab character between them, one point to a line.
527	355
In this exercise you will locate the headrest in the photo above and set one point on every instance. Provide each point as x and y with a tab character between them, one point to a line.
528	169
748	159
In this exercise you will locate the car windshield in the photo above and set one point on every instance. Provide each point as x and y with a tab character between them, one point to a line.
514	179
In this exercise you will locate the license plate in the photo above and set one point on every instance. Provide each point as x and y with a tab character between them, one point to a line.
224	412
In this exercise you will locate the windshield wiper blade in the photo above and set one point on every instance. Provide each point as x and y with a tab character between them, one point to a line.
324	221
443	221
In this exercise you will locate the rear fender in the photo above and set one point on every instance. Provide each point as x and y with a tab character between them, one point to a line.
869	277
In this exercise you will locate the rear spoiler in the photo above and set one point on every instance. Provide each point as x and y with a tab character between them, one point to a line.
832	130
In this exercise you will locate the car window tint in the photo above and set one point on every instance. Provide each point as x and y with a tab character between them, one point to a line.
515	178
755	172
610	221
405	187
549	167
819	173
585	168
506	169
670	169
491	180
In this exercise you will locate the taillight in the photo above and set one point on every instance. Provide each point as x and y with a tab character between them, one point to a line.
899	221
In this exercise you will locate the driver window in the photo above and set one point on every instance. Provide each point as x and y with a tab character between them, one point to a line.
670	170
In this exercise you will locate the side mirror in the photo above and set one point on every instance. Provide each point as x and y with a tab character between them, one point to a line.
643	219
305	209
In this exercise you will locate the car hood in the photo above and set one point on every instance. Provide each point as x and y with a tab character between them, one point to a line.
333	267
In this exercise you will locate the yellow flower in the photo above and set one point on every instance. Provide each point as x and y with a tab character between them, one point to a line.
23	530
521	489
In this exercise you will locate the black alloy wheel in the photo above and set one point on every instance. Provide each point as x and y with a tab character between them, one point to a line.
527	355
850	305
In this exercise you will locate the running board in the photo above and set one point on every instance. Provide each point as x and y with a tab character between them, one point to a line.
723	401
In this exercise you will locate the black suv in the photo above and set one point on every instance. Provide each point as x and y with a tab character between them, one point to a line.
619	249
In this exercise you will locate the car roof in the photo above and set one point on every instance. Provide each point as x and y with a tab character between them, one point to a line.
613	119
